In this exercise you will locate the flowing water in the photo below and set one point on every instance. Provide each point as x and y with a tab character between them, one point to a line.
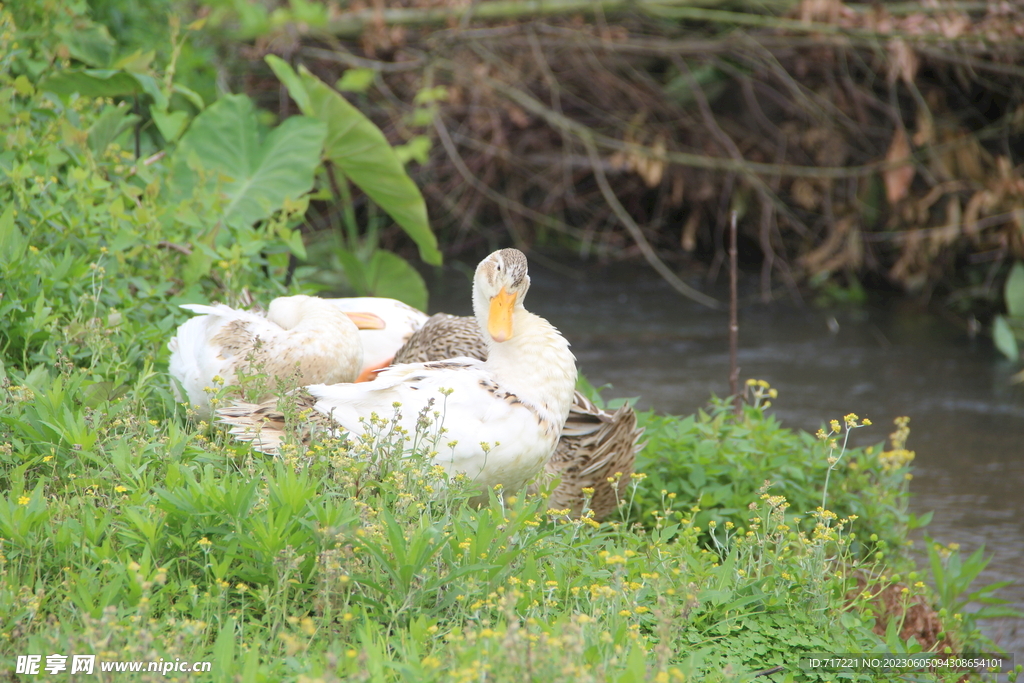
630	330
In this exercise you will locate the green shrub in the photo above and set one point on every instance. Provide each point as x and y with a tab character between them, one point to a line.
129	532
718	464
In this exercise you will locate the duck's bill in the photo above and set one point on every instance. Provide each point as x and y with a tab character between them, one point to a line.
370	373
367	321
499	322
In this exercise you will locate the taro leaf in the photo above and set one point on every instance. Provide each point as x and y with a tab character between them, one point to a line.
390	275
386	274
357	147
105	83
261	174
1015	291
1004	339
92	83
355	271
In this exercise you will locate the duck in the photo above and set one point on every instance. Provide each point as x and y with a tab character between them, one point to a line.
300	339
380	344
502	416
596	449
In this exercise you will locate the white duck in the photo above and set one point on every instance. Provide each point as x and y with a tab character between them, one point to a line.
301	339
380	344
515	402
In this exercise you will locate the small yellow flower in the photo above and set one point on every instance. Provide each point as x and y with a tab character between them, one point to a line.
120	489
24	500
204	542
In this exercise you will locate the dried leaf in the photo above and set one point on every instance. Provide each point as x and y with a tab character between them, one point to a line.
904	62
688	241
971	158
678	186
925	134
803	193
898	178
655	168
814	262
517	116
826	11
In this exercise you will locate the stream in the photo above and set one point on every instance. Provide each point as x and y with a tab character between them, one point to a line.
629	329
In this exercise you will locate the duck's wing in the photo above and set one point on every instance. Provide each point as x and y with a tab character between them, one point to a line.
595	446
207	346
220	340
444	336
270	424
458	398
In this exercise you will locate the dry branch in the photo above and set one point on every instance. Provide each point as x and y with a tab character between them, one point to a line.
582	121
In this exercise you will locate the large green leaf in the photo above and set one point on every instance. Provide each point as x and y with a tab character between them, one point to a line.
390	275
256	176
385	274
1004	338
1015	291
105	83
92	83
359	149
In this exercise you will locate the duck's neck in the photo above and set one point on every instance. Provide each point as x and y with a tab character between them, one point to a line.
535	364
308	317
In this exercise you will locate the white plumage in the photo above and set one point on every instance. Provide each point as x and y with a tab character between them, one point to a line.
301	339
515	402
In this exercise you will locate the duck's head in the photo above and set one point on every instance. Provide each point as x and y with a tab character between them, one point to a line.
499	287
288	311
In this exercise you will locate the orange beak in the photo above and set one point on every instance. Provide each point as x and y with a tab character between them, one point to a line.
367	321
370	374
499	321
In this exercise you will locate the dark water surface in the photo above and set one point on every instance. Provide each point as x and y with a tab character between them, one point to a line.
630	330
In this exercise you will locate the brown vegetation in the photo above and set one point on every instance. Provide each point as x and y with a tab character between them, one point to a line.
867	141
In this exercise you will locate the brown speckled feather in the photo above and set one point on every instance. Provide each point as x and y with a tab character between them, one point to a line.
266	426
595	445
444	336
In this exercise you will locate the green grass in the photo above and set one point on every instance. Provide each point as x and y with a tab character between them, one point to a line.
129	531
